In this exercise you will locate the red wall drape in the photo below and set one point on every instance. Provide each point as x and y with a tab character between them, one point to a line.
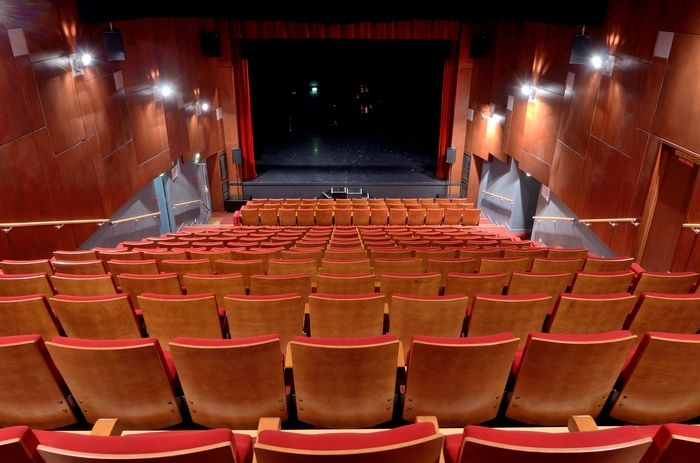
449	87
416	29
244	115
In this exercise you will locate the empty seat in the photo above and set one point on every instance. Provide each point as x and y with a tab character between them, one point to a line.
459	380
568	253
261	285
480	444
670	313
231	383
244	267
346	315
602	282
550	283
519	315
25	284
660	383
675	443
345	383
83	285
590	313
471	216
96	317
211	446
117	266
15	267
293	267
451	265
160	283
282	314
421	284
220	285
530	253
441	316
31	391
608	264
27	314
508	265
345	254
169	316
399	265
75	256
378	216
345	283
414	443
470	284
416	216
549	264
345	266
183	266
83	267
127	379
560	375
653	282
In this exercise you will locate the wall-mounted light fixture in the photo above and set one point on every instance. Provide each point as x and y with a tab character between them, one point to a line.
201	107
603	62
79	61
530	91
491	115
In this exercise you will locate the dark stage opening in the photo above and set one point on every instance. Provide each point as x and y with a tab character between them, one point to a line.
346	110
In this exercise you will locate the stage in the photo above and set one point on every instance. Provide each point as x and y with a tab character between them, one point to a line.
305	166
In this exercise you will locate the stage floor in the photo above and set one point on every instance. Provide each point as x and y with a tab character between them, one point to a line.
345	159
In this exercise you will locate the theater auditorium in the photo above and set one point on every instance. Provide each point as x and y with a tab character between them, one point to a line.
237	232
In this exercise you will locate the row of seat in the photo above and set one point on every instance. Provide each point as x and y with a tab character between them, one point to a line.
421	442
351	382
167	316
369	201
336	215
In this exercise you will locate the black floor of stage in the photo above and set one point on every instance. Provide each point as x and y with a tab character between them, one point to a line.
382	165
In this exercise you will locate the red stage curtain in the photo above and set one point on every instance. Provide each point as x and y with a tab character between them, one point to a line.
243	113
447	105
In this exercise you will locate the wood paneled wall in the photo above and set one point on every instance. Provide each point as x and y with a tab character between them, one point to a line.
595	141
79	147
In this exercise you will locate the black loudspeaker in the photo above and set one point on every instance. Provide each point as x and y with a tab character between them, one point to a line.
581	50
237	156
114	45
210	43
451	155
479	46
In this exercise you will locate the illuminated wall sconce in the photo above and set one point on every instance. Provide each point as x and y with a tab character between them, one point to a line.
201	107
530	91
491	114
603	63
163	90
79	61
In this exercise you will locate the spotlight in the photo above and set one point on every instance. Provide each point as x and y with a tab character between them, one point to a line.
529	91
86	59
197	157
166	90
597	61
314	90
205	107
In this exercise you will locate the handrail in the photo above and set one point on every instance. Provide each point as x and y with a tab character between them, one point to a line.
611	220
134	219
503	198
553	218
691	225
185	203
51	222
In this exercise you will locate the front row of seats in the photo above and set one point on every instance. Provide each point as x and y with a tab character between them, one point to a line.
415	443
350	383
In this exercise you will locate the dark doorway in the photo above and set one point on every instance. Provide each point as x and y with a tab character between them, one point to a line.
345	105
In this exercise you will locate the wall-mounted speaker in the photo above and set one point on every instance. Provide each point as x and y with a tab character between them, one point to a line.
211	43
451	155
581	49
237	156
479	46
114	45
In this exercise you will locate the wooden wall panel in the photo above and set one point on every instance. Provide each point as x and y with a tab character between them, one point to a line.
567	182
689	18
578	107
147	124
112	121
18	121
632	25
541	124
601	196
118	175
678	114
60	101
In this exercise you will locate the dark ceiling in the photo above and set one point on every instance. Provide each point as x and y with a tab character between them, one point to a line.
586	12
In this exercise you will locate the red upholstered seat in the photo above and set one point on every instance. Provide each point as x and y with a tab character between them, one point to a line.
211	446
413	443
675	443
17	444
481	444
